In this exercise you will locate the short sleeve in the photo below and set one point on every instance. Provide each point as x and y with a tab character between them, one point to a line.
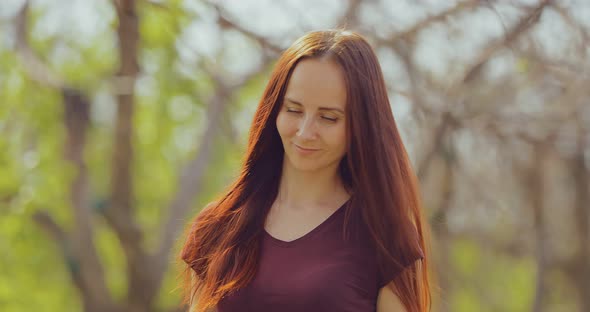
390	274
411	254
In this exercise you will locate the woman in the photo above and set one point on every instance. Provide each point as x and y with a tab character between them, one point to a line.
325	215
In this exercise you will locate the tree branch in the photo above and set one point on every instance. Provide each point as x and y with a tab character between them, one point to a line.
76	120
191	177
74	264
565	14
225	22
536	178
437	142
411	32
120	213
36	69
580	174
78	247
522	26
48	224
350	17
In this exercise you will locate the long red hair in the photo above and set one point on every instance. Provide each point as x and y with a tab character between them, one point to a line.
222	243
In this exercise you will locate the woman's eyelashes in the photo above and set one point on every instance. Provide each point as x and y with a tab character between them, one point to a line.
327	118
290	110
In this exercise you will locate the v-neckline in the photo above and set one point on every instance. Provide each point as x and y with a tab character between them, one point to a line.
309	234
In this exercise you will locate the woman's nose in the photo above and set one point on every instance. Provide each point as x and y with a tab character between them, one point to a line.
307	128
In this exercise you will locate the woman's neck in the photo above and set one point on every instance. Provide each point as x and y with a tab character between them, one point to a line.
302	190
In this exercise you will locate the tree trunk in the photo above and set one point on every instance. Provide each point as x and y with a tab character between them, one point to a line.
535	187
582	215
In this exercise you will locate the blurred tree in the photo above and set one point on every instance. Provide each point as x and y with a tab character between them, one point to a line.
111	139
170	127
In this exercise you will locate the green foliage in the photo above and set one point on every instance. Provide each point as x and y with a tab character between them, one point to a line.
169	122
32	273
488	281
33	175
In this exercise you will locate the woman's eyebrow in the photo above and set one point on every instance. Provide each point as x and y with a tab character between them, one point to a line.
321	108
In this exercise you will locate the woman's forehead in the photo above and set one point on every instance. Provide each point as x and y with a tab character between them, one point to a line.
317	82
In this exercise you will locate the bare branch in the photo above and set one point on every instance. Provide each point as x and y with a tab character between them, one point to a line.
535	182
581	176
459	7
191	177
521	27
78	248
48	224
411	32
564	70
226	22
76	120
570	21
74	264
437	142
350	17
120	213
36	69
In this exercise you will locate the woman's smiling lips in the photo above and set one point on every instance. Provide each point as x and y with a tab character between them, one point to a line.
304	151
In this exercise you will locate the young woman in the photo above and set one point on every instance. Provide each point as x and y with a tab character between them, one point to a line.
325	215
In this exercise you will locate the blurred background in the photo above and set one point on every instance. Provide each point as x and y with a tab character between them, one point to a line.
120	119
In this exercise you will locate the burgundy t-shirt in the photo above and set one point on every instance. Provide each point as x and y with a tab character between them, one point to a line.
320	271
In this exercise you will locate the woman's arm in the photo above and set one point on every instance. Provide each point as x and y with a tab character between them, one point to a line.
388	301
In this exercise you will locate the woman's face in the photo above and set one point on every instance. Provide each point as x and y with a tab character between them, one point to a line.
312	119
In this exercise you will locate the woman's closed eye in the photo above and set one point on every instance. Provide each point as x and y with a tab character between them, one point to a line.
330	119
326	118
